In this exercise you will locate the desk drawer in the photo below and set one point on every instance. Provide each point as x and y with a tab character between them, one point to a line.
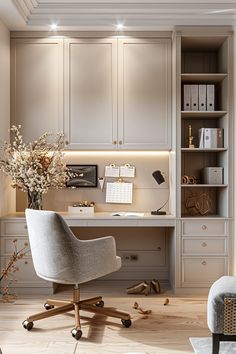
202	271
25	276
203	245
14	228
210	228
8	247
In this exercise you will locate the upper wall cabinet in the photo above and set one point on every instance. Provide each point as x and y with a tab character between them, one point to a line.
144	93
140	117
91	93
37	86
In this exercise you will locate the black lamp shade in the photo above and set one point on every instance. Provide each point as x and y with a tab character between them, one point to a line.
158	176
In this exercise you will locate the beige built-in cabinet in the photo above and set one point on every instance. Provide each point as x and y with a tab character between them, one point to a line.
94	89
117	95
205	209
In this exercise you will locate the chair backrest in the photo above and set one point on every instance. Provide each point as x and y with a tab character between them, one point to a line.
52	245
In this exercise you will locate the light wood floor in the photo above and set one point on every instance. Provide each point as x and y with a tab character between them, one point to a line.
165	331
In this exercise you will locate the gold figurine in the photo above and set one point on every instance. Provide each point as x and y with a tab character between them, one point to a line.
190	138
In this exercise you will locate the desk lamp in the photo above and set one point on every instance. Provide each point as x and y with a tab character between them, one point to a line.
159	178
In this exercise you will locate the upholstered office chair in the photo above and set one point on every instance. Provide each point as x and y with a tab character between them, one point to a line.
58	256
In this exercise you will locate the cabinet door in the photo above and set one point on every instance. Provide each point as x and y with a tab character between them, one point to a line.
91	90
36	86
144	93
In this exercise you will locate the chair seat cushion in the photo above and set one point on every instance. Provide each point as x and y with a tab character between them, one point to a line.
223	287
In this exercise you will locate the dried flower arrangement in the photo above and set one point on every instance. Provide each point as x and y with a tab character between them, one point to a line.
7	273
34	167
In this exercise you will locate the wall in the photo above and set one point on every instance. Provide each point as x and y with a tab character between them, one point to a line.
7	199
147	194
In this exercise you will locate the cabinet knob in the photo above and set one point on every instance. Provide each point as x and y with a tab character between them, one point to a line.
66	142
159	248
114	142
25	227
120	142
204	244
204	227
204	263
26	262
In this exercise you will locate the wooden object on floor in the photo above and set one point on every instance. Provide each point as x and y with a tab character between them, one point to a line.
94	305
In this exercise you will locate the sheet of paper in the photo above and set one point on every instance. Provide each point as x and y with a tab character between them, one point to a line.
112	171
119	192
127	171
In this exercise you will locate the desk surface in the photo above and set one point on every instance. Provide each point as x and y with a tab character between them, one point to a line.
106	219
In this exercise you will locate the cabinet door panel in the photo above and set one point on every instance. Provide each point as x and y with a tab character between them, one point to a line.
91	93
144	94
36	86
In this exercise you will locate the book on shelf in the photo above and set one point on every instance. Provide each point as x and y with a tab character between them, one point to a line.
211	138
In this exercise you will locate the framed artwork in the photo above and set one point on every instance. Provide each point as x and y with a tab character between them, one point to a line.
83	176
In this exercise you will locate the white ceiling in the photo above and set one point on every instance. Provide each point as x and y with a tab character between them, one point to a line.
97	14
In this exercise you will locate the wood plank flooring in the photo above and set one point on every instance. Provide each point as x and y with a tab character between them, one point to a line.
165	331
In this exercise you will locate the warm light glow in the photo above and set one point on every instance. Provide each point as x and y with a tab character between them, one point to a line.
119	26
116	153
53	26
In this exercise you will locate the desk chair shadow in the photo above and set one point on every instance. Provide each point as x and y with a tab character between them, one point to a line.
58	256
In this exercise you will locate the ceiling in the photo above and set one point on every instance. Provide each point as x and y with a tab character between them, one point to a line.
97	14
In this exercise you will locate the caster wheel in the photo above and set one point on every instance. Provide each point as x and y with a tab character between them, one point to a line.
47	306
126	323
27	325
76	333
100	303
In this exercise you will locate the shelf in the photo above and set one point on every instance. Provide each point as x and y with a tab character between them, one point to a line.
203	185
203	150
203	78
203	114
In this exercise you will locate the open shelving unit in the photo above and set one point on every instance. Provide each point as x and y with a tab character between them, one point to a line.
205	60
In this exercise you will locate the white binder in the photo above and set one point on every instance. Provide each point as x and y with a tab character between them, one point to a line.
210	97
187	98
202	97
201	138
194	97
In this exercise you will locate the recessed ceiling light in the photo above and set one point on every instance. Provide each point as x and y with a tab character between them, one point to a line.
119	26
53	26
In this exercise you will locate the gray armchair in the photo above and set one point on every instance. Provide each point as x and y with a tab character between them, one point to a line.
58	256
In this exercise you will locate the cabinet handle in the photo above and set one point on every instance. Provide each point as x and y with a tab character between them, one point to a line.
25	227
120	142
26	262
158	248
204	244
204	227
114	142
204	263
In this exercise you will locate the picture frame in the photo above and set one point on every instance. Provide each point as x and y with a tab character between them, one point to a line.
83	176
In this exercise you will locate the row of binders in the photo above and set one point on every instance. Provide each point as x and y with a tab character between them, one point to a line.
199	97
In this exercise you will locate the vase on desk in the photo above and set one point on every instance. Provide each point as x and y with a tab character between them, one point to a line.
35	200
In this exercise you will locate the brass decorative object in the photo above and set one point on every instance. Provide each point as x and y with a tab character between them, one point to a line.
190	138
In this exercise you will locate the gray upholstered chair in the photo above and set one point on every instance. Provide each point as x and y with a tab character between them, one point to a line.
58	256
221	311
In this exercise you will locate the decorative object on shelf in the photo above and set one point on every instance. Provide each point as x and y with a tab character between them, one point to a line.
34	167
159	178
83	207
189	179
7	273
190	138
198	204
82	176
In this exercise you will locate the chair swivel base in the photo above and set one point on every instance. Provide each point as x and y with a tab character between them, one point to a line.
94	305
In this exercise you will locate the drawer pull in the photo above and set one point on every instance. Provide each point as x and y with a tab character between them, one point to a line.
204	227
120	142
204	263
204	244
159	248
25	227
114	142
26	262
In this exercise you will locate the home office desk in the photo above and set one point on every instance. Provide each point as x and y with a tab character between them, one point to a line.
97	225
